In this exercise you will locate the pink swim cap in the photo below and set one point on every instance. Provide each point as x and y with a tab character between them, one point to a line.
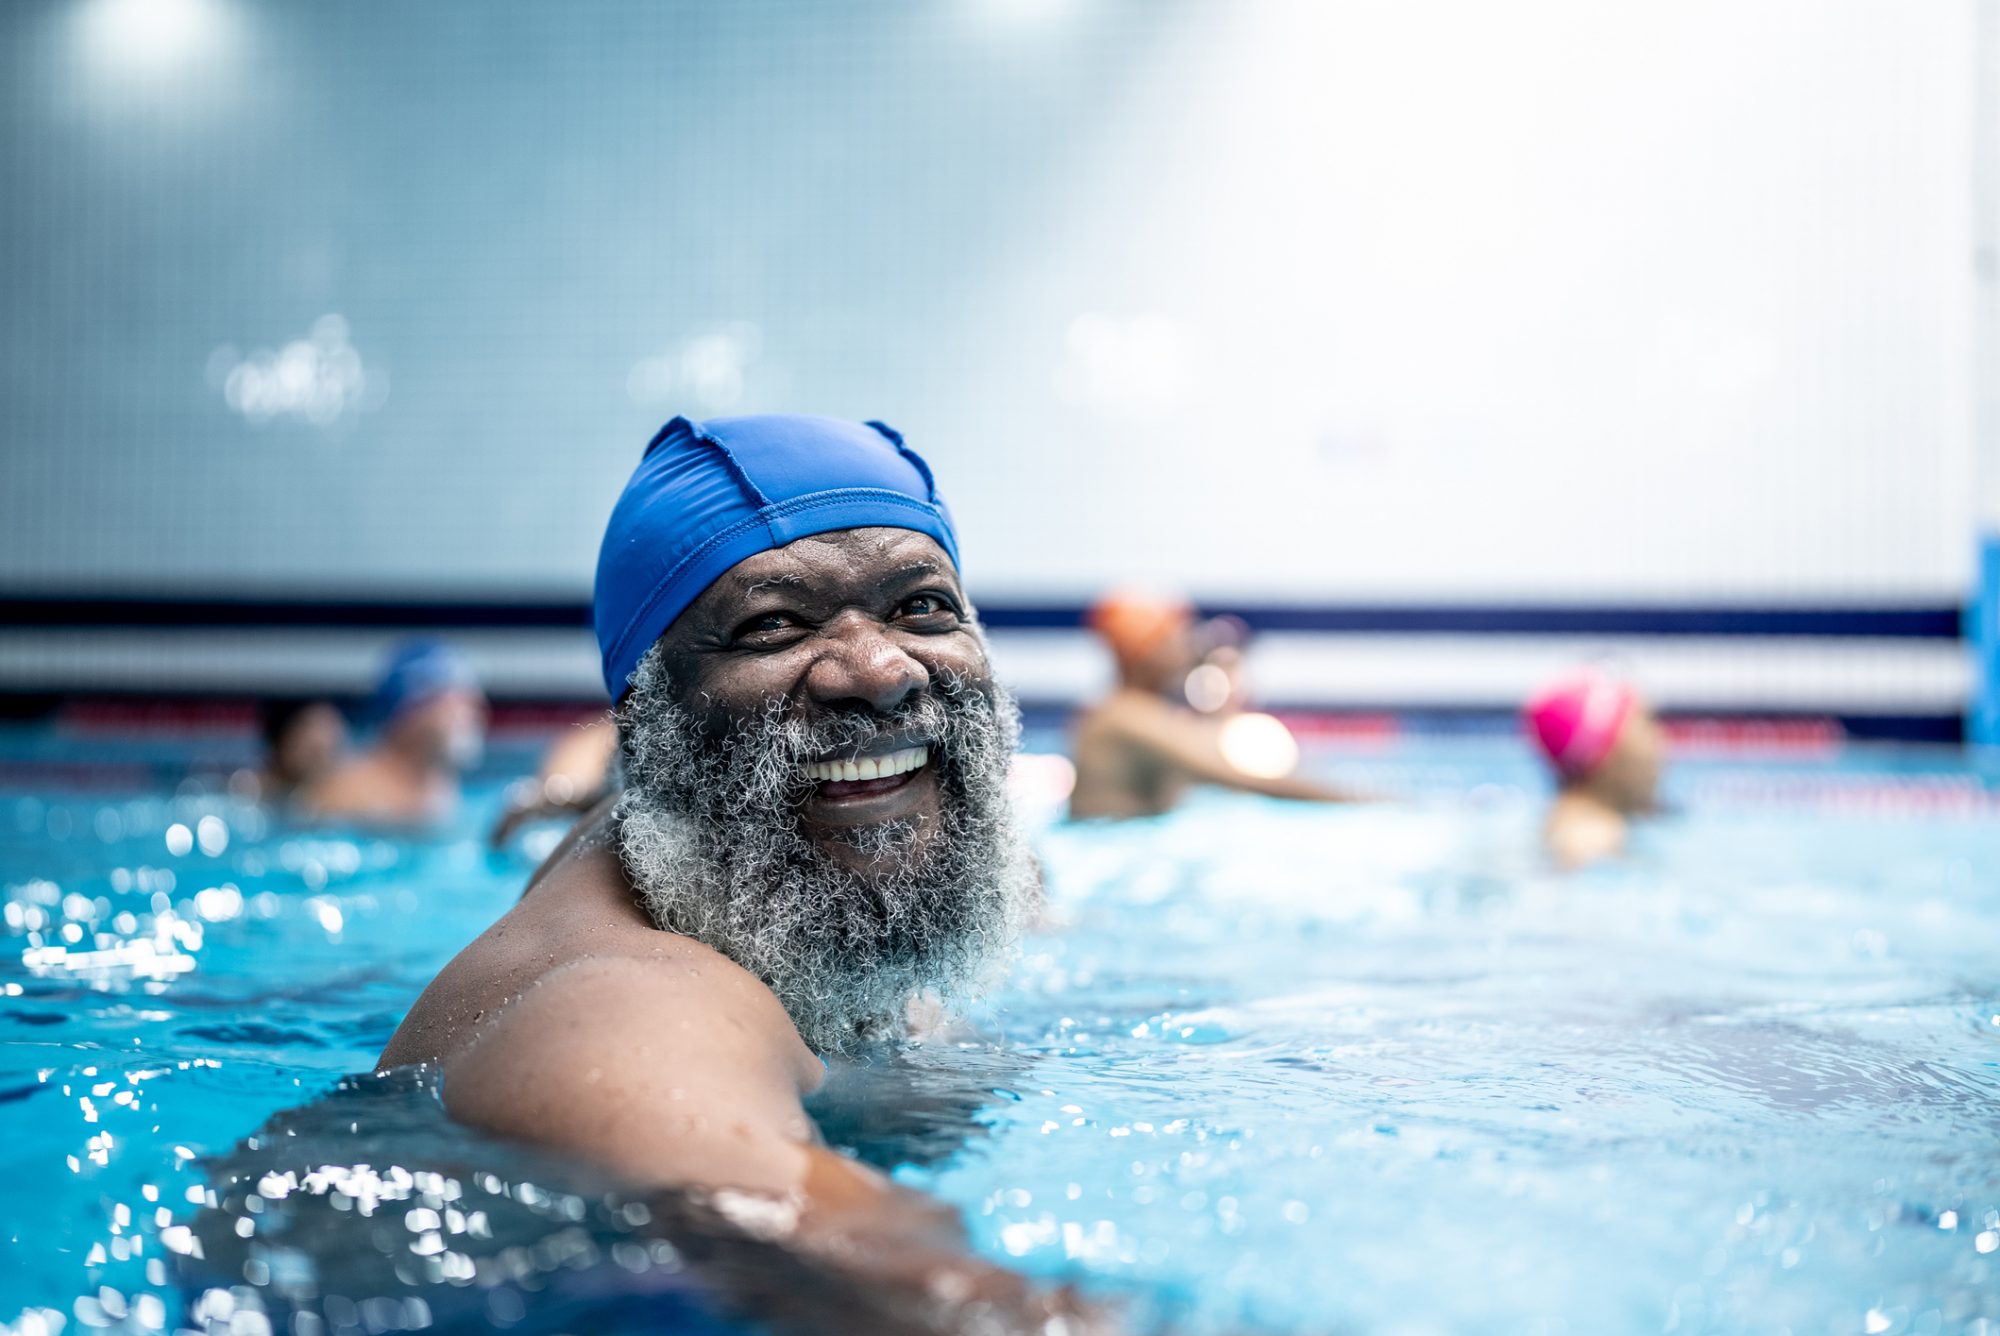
1576	720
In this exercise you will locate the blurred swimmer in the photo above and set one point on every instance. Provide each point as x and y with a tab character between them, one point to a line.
304	740
1176	717
575	776
431	721
1606	748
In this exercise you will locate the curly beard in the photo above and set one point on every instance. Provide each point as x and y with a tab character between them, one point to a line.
709	834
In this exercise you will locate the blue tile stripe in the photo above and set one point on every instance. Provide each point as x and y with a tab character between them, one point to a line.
1897	622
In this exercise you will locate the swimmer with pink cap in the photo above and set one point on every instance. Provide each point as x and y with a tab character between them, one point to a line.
1606	749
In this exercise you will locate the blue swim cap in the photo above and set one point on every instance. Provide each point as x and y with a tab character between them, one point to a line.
417	671
709	494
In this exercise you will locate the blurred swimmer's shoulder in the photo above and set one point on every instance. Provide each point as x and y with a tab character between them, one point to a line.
1581	831
1121	768
366	790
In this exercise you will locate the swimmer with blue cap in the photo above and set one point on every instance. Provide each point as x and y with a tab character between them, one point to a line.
814	832
430	728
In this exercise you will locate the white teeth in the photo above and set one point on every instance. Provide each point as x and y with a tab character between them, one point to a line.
873	767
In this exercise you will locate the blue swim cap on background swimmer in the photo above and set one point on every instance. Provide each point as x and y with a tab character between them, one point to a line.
709	494
417	671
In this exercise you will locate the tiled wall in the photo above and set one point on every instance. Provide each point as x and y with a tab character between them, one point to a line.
1316	300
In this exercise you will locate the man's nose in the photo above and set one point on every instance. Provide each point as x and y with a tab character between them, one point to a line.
861	665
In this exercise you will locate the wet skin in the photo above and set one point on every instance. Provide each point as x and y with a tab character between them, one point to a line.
856	622
575	1023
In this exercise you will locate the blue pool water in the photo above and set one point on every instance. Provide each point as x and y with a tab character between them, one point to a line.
1271	1068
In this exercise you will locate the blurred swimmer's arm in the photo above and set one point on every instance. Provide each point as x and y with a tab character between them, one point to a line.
1193	744
688	1074
539	800
575	777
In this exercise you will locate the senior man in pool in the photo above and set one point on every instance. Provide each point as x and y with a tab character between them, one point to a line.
814	832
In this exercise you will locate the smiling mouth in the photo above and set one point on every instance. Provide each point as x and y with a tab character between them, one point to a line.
865	776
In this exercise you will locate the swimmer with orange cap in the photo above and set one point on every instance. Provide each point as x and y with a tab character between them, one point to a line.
1141	748
1606	748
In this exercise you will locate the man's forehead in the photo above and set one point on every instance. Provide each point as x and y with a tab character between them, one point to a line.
830	560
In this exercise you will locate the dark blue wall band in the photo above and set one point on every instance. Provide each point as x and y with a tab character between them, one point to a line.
1902	622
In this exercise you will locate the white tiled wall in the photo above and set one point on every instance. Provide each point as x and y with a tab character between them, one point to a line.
1301	299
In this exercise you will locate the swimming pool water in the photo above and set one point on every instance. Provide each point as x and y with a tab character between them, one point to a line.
1269	1068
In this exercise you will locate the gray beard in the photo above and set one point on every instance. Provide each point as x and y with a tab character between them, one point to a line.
708	832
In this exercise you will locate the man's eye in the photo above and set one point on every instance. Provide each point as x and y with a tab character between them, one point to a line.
930	608
769	624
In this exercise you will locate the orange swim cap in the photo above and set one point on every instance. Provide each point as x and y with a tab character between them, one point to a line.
1134	622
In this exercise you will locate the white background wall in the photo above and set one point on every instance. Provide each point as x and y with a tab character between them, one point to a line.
1304	299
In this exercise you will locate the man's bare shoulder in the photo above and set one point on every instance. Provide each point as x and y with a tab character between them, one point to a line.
580	921
627	1056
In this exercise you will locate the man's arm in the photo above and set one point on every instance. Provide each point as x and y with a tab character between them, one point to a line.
678	1074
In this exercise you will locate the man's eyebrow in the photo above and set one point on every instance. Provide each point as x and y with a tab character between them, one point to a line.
789	580
792	580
